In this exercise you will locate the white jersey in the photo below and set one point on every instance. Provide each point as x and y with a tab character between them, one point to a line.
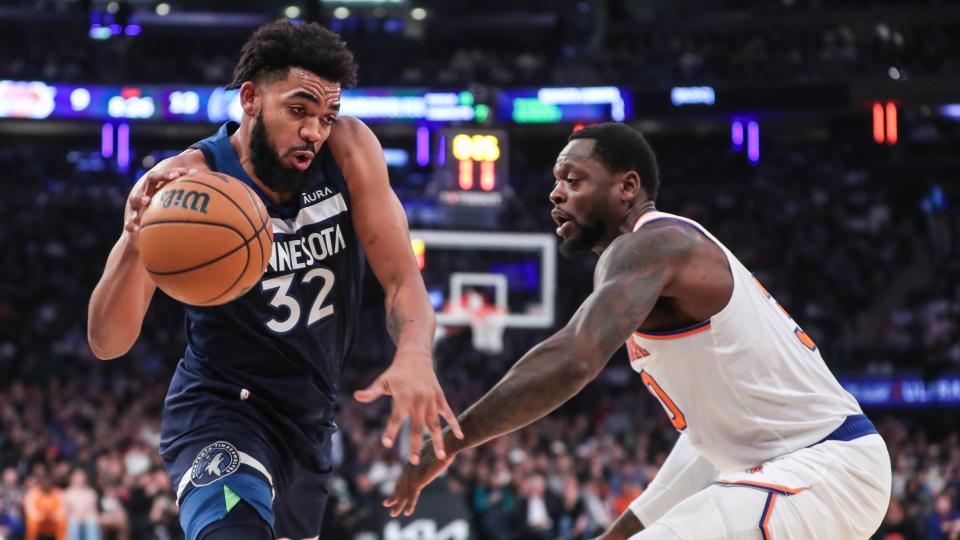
746	385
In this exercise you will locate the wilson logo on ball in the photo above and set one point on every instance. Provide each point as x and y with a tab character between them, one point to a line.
188	200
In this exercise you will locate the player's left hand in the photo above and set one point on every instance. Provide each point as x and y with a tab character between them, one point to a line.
412	383
412	480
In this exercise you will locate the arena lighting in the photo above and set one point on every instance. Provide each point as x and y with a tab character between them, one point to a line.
79	99
736	135
123	147
481	112
565	104
488	179
891	123
906	391
878	128
418	14
692	95
419	251
465	174
99	32
163	8
753	142
950	110
885	129
341	12
423	146
291	12
586	96
396	157
385	104
106	141
472	150
27	99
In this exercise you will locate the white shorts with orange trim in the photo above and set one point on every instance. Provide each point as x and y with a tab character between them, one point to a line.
837	490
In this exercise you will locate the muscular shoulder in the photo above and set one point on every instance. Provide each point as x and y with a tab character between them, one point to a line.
349	136
661	247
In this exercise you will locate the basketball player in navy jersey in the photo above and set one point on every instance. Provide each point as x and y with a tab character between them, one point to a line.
249	414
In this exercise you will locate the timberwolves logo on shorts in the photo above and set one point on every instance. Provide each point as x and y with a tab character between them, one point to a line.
213	463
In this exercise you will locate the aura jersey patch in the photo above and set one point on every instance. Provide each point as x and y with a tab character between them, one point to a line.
214	462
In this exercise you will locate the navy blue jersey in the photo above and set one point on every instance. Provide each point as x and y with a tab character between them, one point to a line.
284	343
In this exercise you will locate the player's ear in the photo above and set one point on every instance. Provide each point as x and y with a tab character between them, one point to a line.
251	98
630	186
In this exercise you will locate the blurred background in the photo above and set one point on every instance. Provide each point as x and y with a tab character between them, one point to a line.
817	139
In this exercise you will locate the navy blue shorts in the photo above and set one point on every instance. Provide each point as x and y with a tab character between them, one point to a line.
221	445
222	473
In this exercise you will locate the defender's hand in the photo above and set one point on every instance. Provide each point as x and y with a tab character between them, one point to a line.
414	478
411	382
141	194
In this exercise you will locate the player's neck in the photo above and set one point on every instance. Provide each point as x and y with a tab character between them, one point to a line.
634	215
626	224
240	140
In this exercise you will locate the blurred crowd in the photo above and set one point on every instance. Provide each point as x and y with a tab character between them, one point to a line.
577	42
857	242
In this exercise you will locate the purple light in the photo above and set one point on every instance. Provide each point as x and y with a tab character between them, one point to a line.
442	151
123	147
736	135
423	146
106	140
753	142
132	30
115	29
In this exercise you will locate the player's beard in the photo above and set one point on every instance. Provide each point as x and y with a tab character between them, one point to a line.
583	241
268	167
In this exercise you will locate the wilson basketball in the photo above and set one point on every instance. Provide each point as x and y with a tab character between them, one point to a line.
205	238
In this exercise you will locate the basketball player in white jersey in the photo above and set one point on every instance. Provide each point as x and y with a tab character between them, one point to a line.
770	445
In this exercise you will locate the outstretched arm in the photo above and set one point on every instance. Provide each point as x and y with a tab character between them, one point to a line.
382	228
630	277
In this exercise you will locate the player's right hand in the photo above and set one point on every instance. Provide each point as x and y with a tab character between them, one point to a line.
141	194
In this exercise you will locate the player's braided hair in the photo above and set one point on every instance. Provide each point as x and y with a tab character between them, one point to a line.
622	148
277	46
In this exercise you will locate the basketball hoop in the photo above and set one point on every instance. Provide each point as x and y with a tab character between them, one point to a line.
487	323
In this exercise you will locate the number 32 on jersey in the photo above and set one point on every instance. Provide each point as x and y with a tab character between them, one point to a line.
288	303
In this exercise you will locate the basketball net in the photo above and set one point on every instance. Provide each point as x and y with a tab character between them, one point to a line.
486	323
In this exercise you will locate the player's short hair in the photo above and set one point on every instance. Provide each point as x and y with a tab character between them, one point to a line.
622	148
277	46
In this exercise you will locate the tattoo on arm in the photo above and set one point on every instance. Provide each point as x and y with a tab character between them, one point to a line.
395	323
629	280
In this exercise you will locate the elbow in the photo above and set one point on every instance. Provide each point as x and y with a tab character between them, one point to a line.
580	369
102	348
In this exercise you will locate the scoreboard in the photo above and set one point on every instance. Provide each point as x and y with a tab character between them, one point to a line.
472	174
478	159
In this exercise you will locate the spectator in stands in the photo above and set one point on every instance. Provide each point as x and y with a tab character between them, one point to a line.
80	507
11	506
536	510
944	522
43	508
113	516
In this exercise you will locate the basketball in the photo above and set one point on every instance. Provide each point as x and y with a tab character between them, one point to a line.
205	238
